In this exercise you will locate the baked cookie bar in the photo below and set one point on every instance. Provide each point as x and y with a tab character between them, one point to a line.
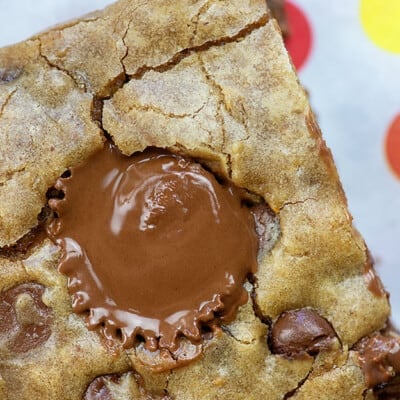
172	223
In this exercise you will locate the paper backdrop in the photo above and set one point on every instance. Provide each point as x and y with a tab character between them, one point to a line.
347	53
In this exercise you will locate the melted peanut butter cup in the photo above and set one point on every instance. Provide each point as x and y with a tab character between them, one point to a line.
153	246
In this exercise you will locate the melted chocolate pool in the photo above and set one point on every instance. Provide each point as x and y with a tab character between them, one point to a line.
153	245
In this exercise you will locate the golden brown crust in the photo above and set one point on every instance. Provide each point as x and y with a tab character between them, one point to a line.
71	357
348	384
45	126
210	79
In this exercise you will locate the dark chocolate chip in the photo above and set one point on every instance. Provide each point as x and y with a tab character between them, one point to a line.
22	246
9	74
98	390
388	391
27	325
379	358
302	331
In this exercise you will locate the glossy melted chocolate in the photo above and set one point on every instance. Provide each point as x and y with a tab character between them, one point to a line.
379	357
153	245
297	332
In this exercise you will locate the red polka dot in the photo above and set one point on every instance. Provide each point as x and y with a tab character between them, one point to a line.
392	146
299	42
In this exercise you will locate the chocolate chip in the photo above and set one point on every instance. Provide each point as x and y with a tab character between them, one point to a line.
98	389
9	74
379	358
25	321
35	236
22	246
302	331
388	391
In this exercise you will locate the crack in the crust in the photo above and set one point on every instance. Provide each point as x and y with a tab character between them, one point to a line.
230	334
167	383
157	110
303	381
177	58
7	100
223	104
219	94
218	114
126	48
123	38
181	55
150	395
21	249
181	147
264	319
293	203
57	67
8	176
294	391
195	20
365	393
244	122
226	330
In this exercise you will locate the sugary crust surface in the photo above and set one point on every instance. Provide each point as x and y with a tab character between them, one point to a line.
348	383
45	126
210	79
72	356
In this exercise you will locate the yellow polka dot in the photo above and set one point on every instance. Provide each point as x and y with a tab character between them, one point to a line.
381	21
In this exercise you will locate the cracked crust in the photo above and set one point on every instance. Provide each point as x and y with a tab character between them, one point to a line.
71	357
210	79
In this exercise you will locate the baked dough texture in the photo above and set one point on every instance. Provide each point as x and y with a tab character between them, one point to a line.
209	79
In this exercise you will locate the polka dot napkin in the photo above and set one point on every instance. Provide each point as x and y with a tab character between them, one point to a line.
347	53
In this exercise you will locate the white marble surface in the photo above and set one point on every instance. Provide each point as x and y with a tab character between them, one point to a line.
350	102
